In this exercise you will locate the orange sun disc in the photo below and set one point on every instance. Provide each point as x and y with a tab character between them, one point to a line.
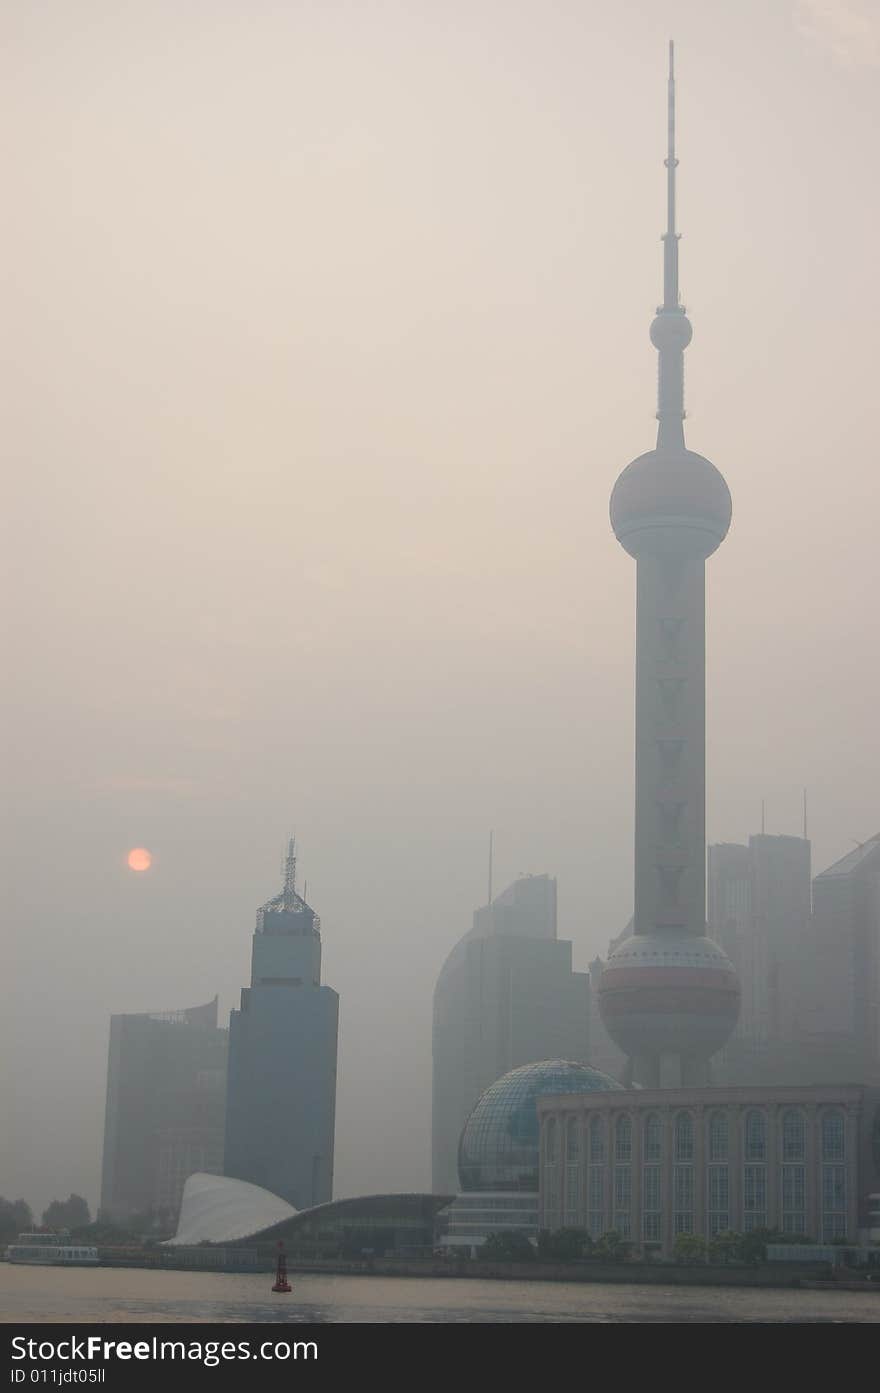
139	859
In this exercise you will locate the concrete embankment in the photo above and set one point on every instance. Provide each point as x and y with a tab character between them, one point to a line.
652	1273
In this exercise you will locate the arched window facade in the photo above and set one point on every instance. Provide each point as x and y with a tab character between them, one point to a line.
622	1174
756	1136
755	1171
794	1135
719	1137
718	1174
793	1177
683	1174
623	1139
597	1141
572	1140
572	1173
833	1136
833	1130
652	1152
684	1137
652	1144
551	1140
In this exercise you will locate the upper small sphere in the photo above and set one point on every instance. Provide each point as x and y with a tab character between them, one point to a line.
671	329
670	502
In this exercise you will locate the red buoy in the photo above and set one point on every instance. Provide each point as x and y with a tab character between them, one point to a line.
281	1282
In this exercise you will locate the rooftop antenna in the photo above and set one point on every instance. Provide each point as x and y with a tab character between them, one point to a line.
671	329
670	238
290	875
491	849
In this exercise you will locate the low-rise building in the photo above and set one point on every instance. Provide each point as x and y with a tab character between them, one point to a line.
652	1164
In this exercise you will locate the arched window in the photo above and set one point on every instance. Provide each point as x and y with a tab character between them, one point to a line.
550	1140
653	1143
684	1137
794	1135
833	1143
597	1141
623	1139
756	1136
718	1137
572	1140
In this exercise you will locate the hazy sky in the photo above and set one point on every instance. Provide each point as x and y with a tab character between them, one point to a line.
325	334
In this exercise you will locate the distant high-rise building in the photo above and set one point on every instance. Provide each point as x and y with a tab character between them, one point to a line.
668	995
841	1018
281	1091
759	911
166	1086
506	996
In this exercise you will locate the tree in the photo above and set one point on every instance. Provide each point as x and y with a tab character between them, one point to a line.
752	1247
724	1247
611	1247
507	1247
563	1245
689	1247
15	1218
72	1213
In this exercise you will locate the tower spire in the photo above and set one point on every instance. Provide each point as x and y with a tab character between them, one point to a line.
671	329
290	875
670	237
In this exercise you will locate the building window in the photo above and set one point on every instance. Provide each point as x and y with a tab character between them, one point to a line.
684	1223
719	1190
793	1187
833	1144
833	1226
793	1136
683	1189
597	1187
623	1139
622	1199
572	1194
833	1188
718	1137
622	1187
684	1137
651	1227
756	1136
572	1140
552	1192
754	1198
653	1140
597	1141
550	1140
651	1187
719	1223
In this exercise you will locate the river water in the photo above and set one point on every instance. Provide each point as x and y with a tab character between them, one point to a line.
134	1294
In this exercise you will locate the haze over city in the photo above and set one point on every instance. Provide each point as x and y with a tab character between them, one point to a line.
327	339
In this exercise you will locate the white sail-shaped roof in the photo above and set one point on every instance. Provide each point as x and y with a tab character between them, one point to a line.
218	1209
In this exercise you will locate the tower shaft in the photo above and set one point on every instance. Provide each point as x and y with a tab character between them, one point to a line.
669	996
670	765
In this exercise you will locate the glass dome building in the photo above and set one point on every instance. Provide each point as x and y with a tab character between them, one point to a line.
498	1154
498	1150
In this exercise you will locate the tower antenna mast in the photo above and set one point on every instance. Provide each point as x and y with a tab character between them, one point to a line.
290	875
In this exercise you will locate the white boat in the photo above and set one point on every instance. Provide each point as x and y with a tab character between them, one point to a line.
53	1249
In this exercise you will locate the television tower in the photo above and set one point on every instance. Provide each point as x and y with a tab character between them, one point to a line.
669	996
